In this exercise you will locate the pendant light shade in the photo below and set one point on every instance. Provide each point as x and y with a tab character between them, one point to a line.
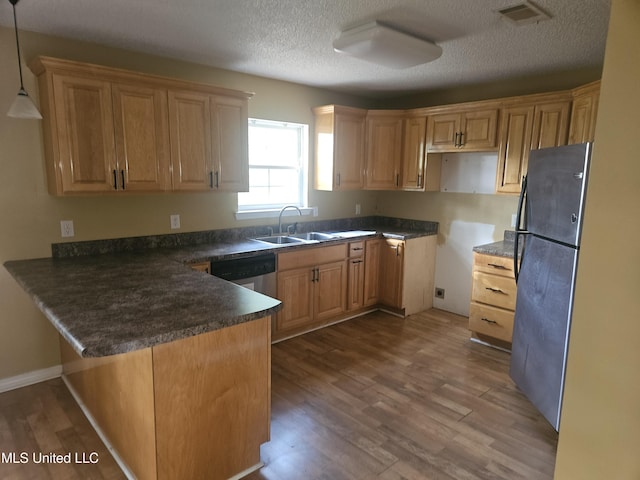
22	106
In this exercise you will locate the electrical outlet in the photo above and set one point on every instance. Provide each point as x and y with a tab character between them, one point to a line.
175	222
66	228
357	209
514	217
315	211
439	292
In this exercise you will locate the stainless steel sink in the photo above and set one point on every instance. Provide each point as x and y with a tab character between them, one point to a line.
280	239
317	236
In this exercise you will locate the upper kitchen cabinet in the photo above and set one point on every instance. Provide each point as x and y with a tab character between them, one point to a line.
79	134
192	155
141	138
413	153
209	142
529	123
340	148
419	171
462	128
108	131
231	119
584	112
384	149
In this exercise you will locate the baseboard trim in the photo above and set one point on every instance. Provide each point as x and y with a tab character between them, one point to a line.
29	378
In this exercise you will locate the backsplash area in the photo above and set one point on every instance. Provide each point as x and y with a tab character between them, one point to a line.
132	244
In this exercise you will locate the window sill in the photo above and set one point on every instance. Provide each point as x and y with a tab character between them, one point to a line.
274	213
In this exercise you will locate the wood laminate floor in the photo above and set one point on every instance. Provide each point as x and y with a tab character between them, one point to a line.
376	397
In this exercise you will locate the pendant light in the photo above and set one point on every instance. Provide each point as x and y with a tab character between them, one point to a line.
22	106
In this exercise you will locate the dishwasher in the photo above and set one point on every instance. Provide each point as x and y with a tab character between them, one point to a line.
257	272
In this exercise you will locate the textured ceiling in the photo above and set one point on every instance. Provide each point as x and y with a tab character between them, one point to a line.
292	39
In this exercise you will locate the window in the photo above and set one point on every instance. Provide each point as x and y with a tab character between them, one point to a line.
277	165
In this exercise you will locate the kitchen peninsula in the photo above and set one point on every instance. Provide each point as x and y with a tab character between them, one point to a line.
171	364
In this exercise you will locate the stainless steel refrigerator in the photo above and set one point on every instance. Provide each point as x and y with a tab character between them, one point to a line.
549	224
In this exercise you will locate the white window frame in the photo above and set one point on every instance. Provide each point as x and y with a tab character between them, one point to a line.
273	210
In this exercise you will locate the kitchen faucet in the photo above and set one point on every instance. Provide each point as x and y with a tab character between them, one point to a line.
280	216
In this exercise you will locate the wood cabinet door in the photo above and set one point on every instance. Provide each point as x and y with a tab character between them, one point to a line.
295	289
513	154
371	271
583	118
384	151
231	123
413	154
355	293
84	134
550	125
479	130
141	138
441	131
348	151
190	130
391	270
330	295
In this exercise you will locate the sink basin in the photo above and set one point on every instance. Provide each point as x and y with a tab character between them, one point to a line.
314	236
279	239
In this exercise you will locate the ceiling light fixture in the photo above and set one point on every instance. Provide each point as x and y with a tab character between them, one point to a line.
383	45
22	106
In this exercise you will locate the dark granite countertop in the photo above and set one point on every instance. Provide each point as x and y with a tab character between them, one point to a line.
108	304
114	296
502	248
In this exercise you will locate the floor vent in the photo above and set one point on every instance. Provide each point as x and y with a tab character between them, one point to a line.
524	13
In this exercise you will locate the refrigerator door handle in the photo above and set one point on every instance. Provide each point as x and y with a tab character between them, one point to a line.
519	230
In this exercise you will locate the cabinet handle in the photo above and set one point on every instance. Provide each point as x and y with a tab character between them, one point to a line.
461	142
356	261
494	290
357	248
455	140
495	265
115	179
211	179
488	320
217	179
397	179
338	179
419	180
122	177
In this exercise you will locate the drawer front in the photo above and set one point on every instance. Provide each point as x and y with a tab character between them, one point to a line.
494	290
493	264
308	257
495	322
356	249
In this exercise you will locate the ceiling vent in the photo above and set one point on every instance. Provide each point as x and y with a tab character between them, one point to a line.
524	13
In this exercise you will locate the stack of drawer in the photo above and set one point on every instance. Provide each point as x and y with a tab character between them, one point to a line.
493	297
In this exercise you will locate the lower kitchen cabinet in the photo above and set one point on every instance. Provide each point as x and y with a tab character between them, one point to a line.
493	299
326	284
371	271
312	285
391	267
356	262
407	269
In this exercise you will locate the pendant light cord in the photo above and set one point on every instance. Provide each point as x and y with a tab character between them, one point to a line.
15	24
